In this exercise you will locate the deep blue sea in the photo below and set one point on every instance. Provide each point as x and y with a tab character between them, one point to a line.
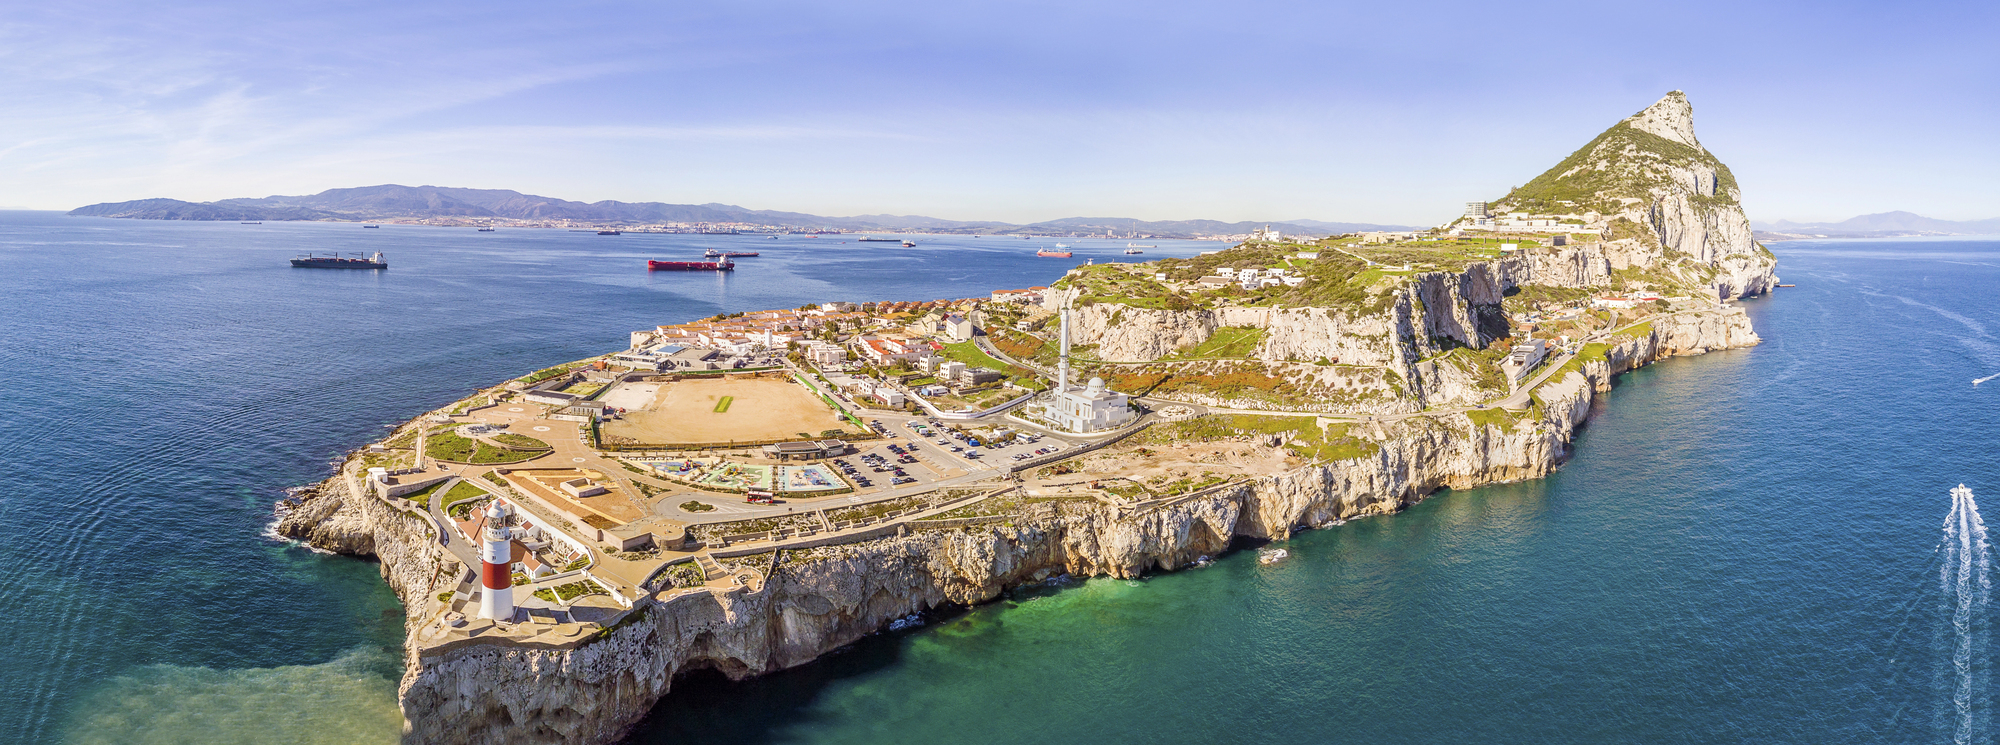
1746	547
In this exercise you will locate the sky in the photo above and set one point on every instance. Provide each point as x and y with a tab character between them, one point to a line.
1369	112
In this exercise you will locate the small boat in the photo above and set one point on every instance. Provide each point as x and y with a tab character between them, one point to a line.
609	232
908	244
1272	555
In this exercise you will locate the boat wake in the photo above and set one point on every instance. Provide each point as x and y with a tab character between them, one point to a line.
1977	381
1964	673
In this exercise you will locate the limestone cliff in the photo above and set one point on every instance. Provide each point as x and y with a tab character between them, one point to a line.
332	516
1643	206
1660	199
597	691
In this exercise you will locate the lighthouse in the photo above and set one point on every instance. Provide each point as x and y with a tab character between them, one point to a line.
496	557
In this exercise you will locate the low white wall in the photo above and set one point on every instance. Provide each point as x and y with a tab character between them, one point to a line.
959	415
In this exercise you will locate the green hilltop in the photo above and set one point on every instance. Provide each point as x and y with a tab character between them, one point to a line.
1625	162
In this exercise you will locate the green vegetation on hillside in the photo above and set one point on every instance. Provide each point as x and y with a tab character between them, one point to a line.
1303	435
1621	162
1496	417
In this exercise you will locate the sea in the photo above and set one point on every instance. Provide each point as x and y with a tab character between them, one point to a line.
1750	545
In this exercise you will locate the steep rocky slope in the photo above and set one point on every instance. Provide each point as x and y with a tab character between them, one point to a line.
1661	197
596	692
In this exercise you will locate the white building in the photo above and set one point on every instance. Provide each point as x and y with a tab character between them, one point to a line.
823	353
1267	234
1029	296
1092	408
958	328
1523	359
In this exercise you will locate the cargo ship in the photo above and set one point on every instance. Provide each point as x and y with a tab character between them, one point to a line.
714	254
1053	254
690	266
335	262
608	232
485	230
873	239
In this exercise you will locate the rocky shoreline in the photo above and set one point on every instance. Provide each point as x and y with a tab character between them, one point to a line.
597	690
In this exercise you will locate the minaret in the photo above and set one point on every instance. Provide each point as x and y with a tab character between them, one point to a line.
1062	363
496	557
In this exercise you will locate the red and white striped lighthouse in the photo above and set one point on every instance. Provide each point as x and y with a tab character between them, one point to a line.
496	559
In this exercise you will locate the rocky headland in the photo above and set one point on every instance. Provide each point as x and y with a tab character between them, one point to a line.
1397	360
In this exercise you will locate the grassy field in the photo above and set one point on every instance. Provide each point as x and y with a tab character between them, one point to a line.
463	491
447	445
520	442
972	355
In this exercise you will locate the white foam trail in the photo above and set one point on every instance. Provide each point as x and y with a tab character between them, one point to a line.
1965	588
1977	381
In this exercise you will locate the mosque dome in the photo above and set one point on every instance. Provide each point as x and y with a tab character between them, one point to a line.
1096	386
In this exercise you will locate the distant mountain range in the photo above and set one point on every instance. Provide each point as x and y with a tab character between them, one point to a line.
394	202
1878	225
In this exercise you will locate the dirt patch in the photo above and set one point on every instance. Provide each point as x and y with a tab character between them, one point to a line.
759	409
1162	464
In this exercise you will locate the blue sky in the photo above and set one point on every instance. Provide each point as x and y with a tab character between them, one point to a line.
1377	112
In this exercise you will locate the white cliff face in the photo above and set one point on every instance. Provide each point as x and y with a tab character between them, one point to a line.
1671	118
330	517
595	692
1657	171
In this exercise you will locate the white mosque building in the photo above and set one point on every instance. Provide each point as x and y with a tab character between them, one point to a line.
1091	408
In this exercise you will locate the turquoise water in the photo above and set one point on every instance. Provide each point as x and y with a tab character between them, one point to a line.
1743	549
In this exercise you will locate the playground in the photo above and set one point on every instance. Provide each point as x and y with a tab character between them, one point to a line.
761	409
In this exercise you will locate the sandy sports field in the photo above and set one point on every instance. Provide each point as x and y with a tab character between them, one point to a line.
761	409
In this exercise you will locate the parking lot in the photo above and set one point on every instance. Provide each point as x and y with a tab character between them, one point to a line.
968	451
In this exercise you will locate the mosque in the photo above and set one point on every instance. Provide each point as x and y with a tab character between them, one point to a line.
1091	408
